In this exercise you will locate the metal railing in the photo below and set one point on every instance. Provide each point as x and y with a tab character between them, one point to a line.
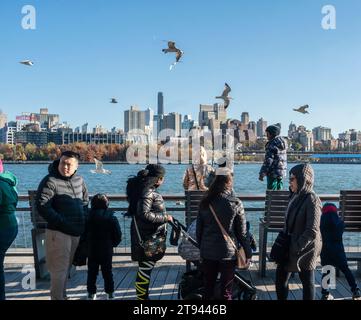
175	204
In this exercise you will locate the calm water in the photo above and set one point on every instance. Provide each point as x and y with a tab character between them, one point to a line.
328	179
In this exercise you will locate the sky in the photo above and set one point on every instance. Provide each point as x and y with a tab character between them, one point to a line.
274	54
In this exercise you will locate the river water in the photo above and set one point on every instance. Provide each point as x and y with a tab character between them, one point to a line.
329	179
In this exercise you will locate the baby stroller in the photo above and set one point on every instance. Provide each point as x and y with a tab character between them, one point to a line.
191	285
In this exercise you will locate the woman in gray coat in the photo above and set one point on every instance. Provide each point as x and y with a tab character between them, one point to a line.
303	224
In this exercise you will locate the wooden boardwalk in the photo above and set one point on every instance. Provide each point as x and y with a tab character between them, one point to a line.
164	282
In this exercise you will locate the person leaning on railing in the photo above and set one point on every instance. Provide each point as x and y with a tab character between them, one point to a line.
8	221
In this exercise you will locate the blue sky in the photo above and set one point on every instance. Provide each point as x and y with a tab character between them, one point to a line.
273	53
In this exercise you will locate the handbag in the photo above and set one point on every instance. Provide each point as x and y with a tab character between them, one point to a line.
241	259
155	247
281	247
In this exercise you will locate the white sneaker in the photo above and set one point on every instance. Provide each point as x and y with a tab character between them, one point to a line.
92	296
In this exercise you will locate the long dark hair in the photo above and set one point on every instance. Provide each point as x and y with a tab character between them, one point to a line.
145	179
217	187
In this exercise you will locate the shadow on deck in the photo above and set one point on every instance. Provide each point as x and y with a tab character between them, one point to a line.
164	282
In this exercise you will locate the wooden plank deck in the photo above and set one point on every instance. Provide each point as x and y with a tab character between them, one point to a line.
164	282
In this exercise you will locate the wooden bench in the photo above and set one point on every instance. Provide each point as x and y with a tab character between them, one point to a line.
273	221
192	202
350	211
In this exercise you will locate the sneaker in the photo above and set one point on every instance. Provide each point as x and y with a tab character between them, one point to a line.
356	294
92	296
327	296
110	296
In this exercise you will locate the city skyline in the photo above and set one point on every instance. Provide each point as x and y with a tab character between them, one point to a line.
274	56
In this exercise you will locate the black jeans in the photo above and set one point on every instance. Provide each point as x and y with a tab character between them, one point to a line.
307	278
7	236
210	270
93	270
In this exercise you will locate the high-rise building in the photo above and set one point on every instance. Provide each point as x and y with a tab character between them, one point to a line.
207	112
245	118
84	128
306	139
261	128
322	134
3	119
171	121
45	119
160	103
253	126
134	119
292	128
187	122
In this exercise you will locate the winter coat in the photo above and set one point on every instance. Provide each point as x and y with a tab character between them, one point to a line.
8	200
304	214
63	201
151	220
232	216
333	251
102	233
204	175
275	162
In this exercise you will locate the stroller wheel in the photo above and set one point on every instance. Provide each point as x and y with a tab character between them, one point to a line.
250	295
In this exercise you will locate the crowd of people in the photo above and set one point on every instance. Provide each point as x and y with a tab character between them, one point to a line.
63	201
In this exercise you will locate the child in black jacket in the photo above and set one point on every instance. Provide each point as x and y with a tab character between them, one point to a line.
333	251
103	233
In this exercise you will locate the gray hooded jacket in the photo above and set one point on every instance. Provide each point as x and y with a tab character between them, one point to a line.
304	214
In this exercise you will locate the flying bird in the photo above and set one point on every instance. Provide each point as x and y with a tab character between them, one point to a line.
99	168
113	100
172	48
27	63
302	109
225	96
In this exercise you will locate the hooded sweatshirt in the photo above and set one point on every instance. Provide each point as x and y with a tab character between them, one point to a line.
8	200
63	201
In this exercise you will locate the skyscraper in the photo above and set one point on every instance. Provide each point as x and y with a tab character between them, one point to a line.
245	118
160	103
171	121
261	128
134	119
3	119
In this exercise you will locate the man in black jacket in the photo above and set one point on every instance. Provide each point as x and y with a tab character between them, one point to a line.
62	200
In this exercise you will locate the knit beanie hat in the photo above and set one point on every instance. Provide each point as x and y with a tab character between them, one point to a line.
329	208
273	130
155	170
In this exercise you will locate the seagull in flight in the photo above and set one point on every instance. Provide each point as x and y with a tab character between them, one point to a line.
172	48
99	168
27	63
302	109
225	96
113	100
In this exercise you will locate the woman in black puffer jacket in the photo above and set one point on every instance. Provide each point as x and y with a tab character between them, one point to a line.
146	207
217	254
